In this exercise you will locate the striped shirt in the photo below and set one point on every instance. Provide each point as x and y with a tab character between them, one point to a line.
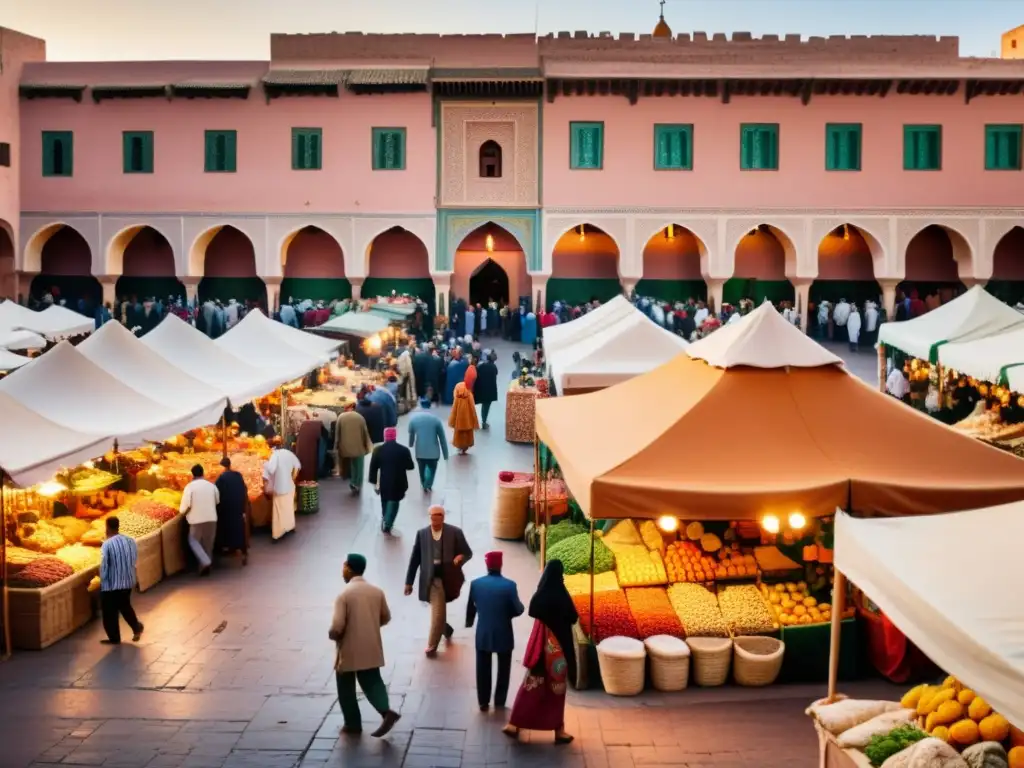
117	563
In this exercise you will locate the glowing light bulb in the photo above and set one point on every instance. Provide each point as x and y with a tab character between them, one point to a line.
51	489
797	521
489	243
583	233
668	524
670	232
770	523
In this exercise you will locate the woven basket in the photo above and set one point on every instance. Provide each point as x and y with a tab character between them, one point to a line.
511	510
262	512
149	568
711	657
621	660
41	617
757	660
172	541
670	662
309	497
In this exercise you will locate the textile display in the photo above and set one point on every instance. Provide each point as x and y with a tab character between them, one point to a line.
520	404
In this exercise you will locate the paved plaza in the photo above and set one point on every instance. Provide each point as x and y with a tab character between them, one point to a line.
236	671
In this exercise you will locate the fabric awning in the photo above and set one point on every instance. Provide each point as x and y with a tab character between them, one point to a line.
974	315
393	311
117	351
21	340
563	335
268	352
947	596
9	361
193	352
69	389
999	358
736	443
362	324
255	322
54	322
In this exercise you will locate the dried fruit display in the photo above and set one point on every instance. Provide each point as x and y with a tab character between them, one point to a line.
176	469
744	610
653	613
637	566
793	604
85	480
80	557
41	537
134	524
574	552
41	573
579	583
697	608
19	557
612	616
154	509
652	537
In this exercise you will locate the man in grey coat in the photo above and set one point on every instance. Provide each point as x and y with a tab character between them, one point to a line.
429	444
439	554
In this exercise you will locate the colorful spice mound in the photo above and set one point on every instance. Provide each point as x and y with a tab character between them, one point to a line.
563	530
574	552
697	607
636	566
653	613
579	583
611	616
41	573
745	610
19	557
79	556
153	509
136	525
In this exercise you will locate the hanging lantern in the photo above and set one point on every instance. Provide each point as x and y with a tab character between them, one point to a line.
670	232
583	233
489	243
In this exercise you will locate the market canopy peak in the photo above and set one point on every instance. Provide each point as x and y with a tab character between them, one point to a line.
762	339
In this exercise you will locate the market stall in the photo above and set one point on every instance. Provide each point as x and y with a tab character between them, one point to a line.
361	330
256	322
20	341
565	335
627	347
10	361
998	359
270	353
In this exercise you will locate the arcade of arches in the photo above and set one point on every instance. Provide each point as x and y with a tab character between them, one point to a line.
931	265
1008	267
490	265
671	266
759	270
8	282
846	268
66	267
229	269
398	261
148	267
314	267
584	266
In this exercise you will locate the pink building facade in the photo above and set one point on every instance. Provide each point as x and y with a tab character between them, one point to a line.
497	167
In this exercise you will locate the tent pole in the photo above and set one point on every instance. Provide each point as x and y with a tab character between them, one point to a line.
284	418
224	433
536	500
838	606
941	373
593	543
881	367
6	608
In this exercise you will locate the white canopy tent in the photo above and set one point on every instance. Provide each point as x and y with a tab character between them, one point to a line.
631	345
9	361
961	617
974	315
256	322
992	358
116	350
564	335
270	353
21	340
54	322
69	389
33	448
362	324
193	352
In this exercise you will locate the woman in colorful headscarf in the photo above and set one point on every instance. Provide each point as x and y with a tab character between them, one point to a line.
463	419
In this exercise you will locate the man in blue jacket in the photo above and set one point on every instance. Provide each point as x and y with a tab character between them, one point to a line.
429	444
496	599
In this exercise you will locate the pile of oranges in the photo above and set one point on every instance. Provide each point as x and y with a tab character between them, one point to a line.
686	562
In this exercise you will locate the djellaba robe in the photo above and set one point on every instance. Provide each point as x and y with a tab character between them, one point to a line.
455	375
463	419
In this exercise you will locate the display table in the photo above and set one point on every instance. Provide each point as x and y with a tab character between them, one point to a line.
520	405
41	617
172	540
831	755
807	649
149	567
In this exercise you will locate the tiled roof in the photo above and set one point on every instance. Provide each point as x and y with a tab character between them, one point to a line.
306	77
198	85
506	74
387	77
133	87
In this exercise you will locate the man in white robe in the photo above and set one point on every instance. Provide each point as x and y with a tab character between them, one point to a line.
840	316
870	320
279	485
853	327
897	384
701	314
823	310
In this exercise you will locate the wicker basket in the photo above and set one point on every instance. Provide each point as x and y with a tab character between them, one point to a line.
622	665
670	662
711	657
149	568
757	660
41	617
512	508
308	493
262	512
172	542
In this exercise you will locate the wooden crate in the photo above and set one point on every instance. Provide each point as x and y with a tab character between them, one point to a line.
172	541
41	617
149	569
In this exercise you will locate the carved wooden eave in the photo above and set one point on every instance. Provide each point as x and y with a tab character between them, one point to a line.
303	82
210	90
378	81
135	91
51	91
495	83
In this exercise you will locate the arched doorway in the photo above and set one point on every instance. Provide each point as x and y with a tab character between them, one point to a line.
1007	281
147	268
229	270
66	271
490	243
671	266
584	267
398	263
932	271
8	287
759	270
314	267
846	270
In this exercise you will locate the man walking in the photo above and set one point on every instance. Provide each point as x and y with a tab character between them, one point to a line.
389	466
233	512
439	554
352	443
359	613
199	503
428	441
496	600
486	391
118	557
279	484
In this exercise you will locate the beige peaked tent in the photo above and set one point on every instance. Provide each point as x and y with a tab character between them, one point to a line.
795	433
564	335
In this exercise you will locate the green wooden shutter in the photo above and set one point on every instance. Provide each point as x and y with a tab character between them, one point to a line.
662	150
210	152
126	152
313	150
68	146
297	150
47	155
231	143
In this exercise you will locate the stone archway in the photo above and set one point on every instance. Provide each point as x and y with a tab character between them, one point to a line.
846	271
672	265
584	266
144	259
227	261
491	242
934	259
313	266
397	261
760	263
8	275
1007	282
65	269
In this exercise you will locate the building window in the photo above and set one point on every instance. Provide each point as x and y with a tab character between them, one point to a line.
922	147
389	149
137	151
586	146
490	160
759	147
842	146
307	149
5	155
221	151
1013	43
1002	147
673	147
58	153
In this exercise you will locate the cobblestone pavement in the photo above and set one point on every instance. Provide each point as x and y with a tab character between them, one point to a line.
235	671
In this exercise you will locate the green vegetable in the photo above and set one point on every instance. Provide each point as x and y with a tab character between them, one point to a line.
574	552
883	746
563	530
